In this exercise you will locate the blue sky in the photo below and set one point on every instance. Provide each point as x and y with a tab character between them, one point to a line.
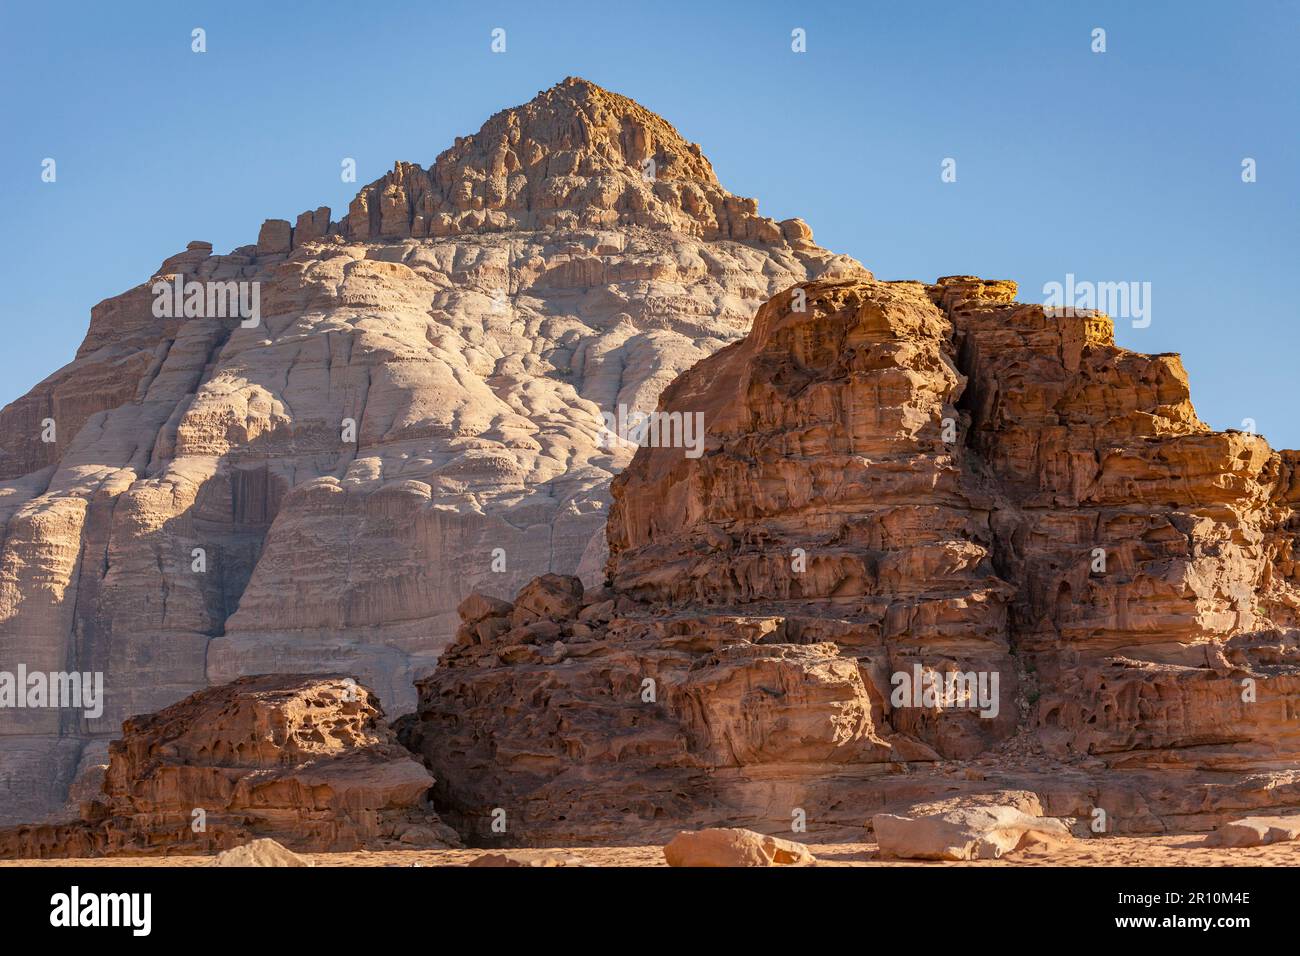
1119	166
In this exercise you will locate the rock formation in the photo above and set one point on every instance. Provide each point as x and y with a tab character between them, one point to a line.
1256	831
415	412
936	547
306	762
734	847
969	833
938	543
262	852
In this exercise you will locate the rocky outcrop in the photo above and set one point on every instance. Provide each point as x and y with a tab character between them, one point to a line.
939	543
1152	558
418	411
303	761
577	157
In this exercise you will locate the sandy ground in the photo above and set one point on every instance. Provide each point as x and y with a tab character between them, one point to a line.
1108	851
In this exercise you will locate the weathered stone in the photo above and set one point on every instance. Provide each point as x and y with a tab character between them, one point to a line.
538	632
275	237
973	833
899	483
1256	831
734	847
480	607
491	629
598	613
551	597
473	320
902	484
306	761
311	226
262	852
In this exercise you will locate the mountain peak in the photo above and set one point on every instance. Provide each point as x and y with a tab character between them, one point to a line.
576	112
574	156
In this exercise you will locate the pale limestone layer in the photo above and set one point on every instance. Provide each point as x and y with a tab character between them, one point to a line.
474	332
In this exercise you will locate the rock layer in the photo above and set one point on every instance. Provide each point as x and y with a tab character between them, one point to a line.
416	414
303	761
939	543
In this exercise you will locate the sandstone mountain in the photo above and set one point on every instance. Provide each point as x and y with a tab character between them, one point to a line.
902	484
903	487
184	504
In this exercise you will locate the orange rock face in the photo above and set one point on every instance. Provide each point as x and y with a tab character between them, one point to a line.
937	542
306	761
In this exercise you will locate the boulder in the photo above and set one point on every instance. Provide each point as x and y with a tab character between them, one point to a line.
262	852
480	607
973	833
1256	831
734	847
551	597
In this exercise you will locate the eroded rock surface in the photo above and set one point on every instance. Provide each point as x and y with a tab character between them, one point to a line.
973	833
301	761
1256	831
904	487
262	852
416	415
734	847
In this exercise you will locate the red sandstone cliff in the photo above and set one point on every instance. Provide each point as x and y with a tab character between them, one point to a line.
899	479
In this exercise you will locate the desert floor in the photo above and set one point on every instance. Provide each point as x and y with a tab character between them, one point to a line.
1109	851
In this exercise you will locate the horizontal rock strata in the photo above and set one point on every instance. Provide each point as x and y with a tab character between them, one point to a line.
418	411
938	543
304	761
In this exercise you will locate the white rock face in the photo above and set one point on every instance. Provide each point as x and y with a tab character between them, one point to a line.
966	833
421	397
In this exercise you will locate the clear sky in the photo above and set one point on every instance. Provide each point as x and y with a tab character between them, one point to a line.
1117	166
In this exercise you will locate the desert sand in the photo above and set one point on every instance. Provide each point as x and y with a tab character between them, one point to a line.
1183	850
